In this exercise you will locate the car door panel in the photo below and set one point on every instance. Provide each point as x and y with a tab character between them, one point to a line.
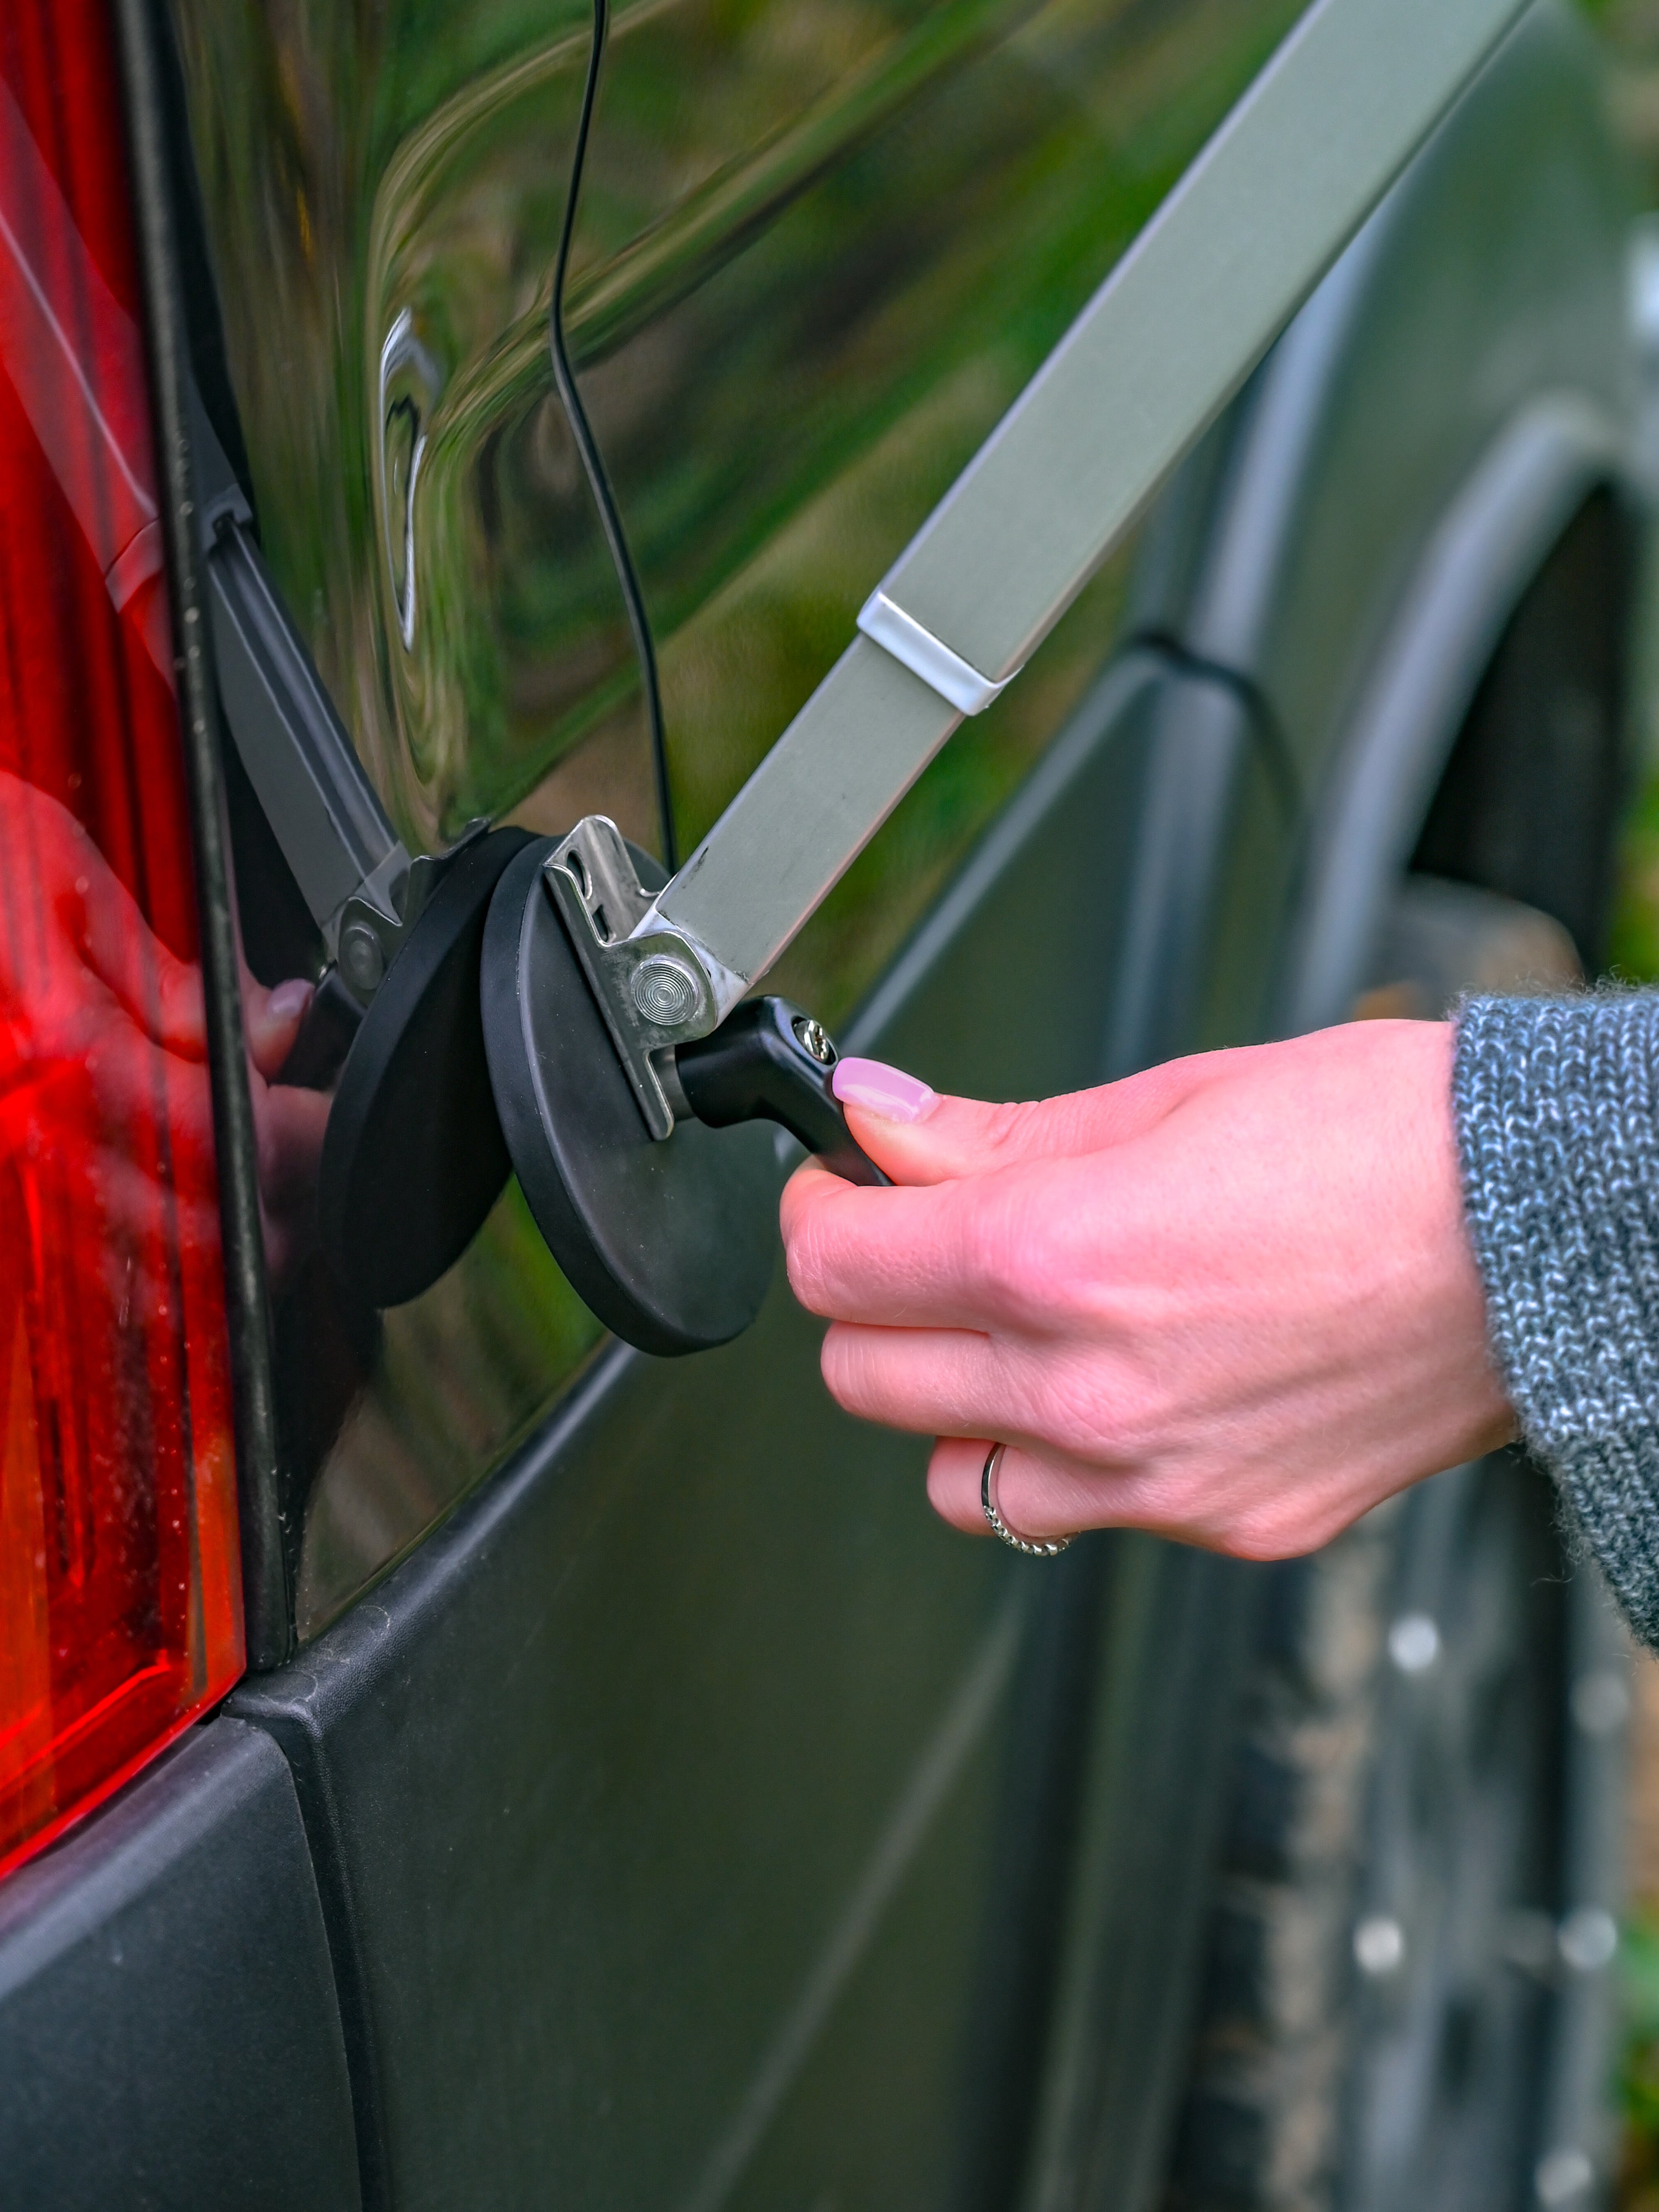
669	1780
169	2038
579	1751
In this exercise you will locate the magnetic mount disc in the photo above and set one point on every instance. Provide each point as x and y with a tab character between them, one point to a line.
671	1243
414	1156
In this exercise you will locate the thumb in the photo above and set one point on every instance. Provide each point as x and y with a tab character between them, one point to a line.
271	1020
917	1135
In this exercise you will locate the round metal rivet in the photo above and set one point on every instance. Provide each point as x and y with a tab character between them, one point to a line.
1379	1944
361	956
1413	1642
664	991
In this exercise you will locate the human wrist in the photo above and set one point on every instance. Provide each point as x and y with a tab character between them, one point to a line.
1554	1103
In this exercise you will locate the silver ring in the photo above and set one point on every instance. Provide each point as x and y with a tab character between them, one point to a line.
1035	1547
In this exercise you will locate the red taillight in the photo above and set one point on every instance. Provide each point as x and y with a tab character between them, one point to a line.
120	1614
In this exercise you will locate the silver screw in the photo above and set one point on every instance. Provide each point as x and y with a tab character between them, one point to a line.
361	956
814	1041
1413	1644
1379	1944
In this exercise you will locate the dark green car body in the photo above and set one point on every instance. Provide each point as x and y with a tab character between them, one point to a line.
693	1820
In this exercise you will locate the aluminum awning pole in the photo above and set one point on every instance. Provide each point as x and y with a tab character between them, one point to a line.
1149	364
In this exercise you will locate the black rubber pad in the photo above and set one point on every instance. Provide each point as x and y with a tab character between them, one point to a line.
672	1243
414	1157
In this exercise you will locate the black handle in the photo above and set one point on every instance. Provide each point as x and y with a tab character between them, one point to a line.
769	1059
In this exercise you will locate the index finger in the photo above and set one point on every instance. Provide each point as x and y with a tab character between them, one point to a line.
961	1255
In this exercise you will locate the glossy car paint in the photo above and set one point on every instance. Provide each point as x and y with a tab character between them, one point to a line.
666	1794
815	259
693	1818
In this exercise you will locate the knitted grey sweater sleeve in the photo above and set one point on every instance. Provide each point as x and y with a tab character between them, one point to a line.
1557	1108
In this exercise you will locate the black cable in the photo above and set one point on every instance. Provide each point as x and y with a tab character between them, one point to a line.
599	483
1273	746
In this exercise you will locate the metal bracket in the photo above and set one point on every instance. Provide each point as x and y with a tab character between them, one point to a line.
355	874
352	868
650	981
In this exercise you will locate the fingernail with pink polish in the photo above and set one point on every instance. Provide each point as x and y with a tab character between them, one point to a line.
289	1000
882	1090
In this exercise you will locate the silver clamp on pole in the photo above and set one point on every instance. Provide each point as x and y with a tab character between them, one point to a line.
954	679
655	988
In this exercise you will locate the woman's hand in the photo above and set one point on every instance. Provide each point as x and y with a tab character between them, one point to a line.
104	1097
1231	1299
103	1064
